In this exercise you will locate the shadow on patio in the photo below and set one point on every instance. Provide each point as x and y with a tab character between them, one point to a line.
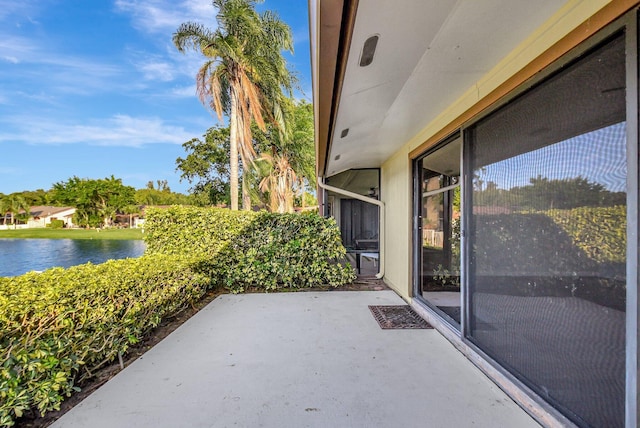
314	359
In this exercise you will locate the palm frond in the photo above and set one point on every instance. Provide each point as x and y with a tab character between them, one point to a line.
191	35
252	98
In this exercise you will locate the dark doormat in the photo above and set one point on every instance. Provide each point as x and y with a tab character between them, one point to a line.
398	316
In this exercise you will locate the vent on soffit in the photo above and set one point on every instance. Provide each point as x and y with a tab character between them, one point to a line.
368	50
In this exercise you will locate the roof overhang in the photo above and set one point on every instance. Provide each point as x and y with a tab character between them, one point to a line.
330	27
429	54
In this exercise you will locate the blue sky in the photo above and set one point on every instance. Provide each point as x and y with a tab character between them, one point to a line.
96	88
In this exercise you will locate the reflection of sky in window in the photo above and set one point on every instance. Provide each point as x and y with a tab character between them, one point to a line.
598	156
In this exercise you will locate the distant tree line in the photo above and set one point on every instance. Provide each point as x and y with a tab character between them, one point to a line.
543	194
97	201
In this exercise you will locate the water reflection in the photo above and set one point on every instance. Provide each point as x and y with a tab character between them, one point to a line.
18	256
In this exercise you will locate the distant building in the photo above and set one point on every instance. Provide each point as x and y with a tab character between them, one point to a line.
41	216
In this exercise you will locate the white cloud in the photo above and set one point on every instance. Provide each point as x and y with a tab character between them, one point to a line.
157	70
117	131
19	8
39	98
184	91
155	16
15	47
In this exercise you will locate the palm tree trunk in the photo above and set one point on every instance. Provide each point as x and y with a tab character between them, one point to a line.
282	203
233	155
246	196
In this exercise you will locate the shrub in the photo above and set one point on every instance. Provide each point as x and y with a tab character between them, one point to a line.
58	324
56	224
284	251
601	232
191	230
253	250
525	244
556	241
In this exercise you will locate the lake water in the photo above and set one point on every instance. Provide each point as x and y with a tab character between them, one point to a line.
18	256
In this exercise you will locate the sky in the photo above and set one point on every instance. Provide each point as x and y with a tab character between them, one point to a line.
97	88
600	156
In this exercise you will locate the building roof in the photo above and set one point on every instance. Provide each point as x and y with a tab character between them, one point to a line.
48	211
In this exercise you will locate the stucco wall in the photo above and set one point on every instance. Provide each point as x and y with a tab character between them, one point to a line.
396	194
396	171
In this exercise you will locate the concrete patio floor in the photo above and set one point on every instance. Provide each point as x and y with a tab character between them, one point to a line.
309	359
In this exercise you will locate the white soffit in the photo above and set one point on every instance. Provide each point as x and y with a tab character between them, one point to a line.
429	53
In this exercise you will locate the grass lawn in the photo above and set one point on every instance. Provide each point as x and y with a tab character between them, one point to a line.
46	233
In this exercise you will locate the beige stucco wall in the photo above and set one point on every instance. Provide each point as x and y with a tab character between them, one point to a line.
395	192
396	171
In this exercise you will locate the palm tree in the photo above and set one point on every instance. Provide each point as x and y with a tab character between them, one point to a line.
287	165
244	75
279	182
130	210
13	204
4	208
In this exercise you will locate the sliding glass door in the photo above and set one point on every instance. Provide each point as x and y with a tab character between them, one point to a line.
547	236
544	192
437	237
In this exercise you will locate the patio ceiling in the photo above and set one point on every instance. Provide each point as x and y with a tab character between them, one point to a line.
429	53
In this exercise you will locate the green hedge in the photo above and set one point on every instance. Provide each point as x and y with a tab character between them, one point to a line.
56	224
601	232
191	230
58	325
554	241
246	250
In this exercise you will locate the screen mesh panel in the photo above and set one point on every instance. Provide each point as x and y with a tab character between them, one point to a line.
547	234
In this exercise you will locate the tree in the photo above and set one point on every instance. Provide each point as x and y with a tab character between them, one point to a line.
287	162
206	166
4	208
543	193
244	74
96	201
160	195
13	204
163	185
130	210
36	197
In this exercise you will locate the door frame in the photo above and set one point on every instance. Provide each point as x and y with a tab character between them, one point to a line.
416	245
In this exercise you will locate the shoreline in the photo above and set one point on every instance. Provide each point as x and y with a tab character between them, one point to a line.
45	233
